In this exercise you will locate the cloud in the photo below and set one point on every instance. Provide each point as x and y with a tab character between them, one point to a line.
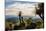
11	2
27	9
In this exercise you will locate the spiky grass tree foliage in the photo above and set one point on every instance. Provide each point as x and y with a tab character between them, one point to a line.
39	24
29	21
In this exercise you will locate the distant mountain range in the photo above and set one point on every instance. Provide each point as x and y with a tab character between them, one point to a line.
15	18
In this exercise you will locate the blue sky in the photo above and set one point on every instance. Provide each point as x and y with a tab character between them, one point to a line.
11	2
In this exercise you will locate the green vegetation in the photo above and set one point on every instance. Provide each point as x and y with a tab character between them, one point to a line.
39	24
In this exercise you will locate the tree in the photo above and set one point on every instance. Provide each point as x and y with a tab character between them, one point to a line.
20	16
40	11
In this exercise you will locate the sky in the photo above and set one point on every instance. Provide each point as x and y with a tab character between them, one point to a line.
26	7
11	2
